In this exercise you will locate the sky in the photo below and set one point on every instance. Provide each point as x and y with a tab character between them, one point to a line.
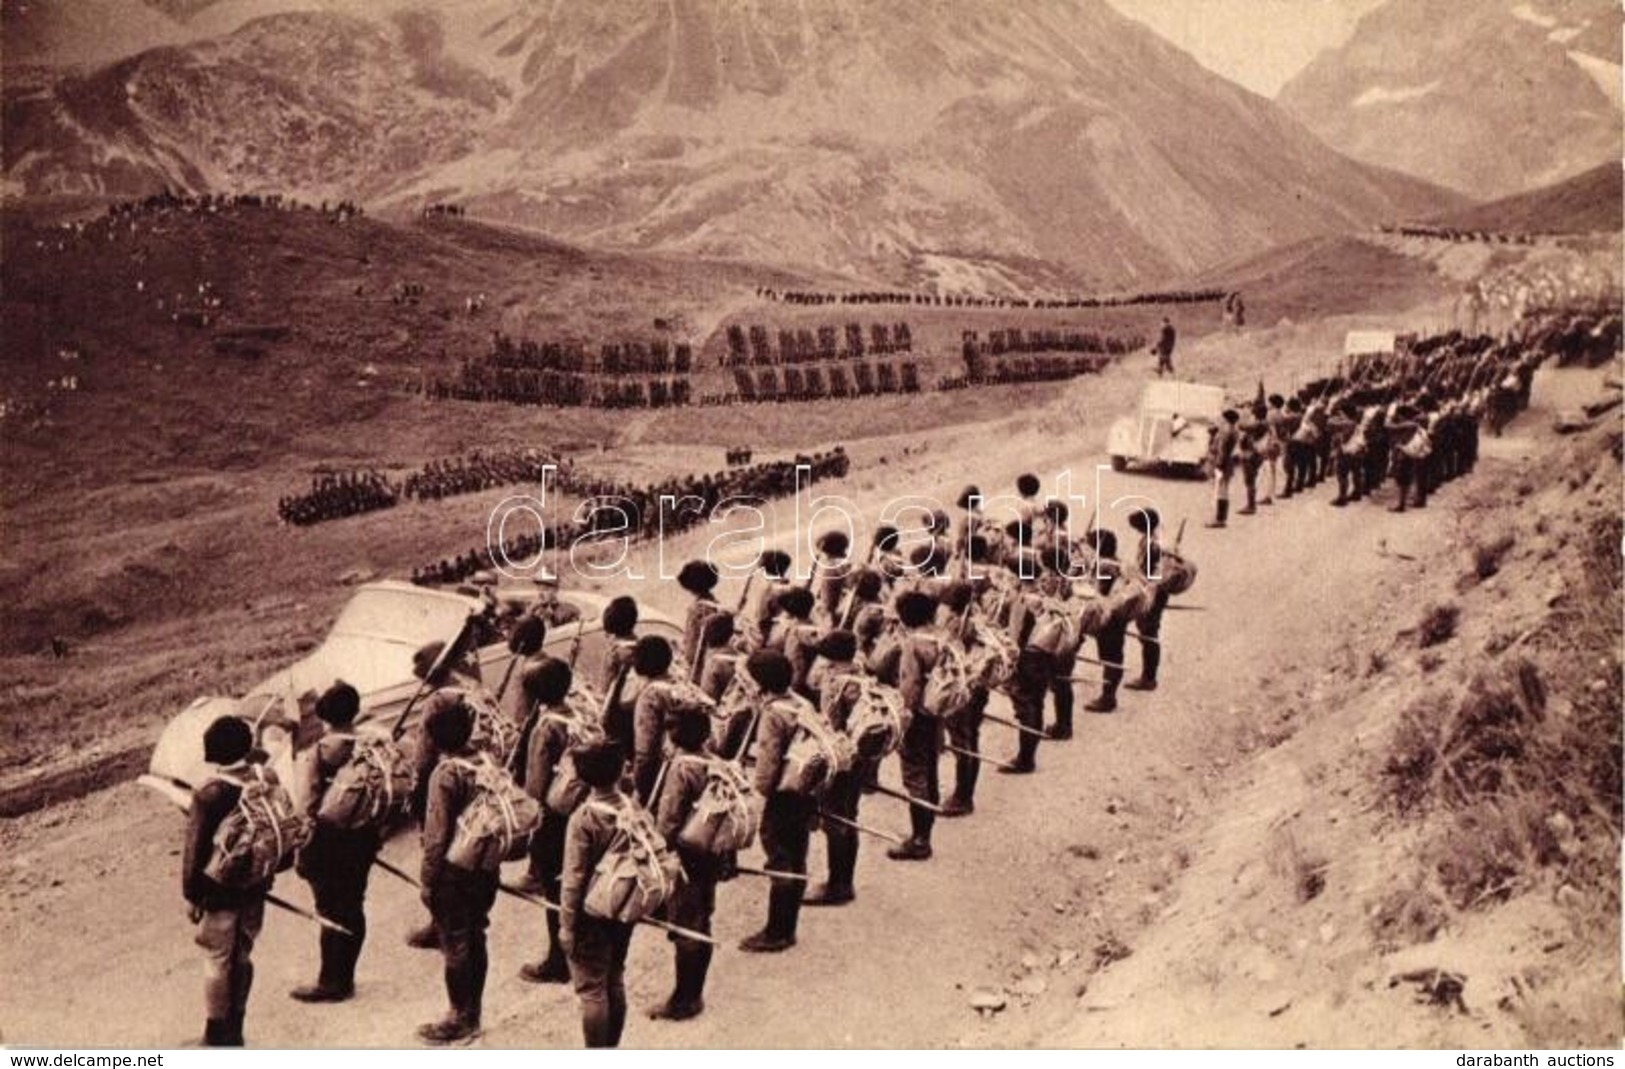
1257	43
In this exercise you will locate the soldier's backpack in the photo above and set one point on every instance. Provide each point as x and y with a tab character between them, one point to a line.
637	873
1178	572
495	733
1419	446
815	755
259	837
993	655
878	717
950	685
371	789
723	819
498	821
1054	629
683	698
732	719
1129	600
1094	614
566	789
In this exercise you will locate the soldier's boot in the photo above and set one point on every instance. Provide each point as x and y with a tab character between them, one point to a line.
843	863
1399	505
554	968
962	803
216	1033
687	996
1026	757
1150	661
425	937
783	907
1106	702
1221	513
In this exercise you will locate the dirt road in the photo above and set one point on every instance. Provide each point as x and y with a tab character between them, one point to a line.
1056	867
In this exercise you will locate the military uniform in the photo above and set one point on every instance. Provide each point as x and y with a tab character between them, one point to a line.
596	947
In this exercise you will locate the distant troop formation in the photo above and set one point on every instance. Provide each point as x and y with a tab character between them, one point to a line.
960	300
754	345
1461	234
816	382
1014	355
630	795
160	203
614	510
335	495
651	373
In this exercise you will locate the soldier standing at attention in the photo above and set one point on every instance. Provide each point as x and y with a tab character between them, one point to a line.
1148	560
459	899
596	946
545	749
786	814
1222	453
337	861
228	919
695	900
905	661
699	578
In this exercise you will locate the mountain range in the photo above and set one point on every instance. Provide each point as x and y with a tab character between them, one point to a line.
1487	97
959	142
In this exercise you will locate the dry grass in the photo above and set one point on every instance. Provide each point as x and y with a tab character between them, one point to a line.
1519	767
1438	624
1406	916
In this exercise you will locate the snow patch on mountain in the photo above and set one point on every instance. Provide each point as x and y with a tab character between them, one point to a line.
1378	94
1605	74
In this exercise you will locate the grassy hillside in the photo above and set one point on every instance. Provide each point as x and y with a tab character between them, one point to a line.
1585	204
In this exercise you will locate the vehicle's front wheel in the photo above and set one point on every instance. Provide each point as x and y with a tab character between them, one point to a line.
1119	463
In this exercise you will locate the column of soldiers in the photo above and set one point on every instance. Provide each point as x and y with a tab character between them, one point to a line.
335	495
632	511
960	300
798	695
1414	418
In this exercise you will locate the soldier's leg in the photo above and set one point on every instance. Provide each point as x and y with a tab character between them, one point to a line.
1061	693
1109	644
1027	700
590	967
965	732
840	800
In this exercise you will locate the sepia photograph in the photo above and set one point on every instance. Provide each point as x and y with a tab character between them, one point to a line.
722	525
